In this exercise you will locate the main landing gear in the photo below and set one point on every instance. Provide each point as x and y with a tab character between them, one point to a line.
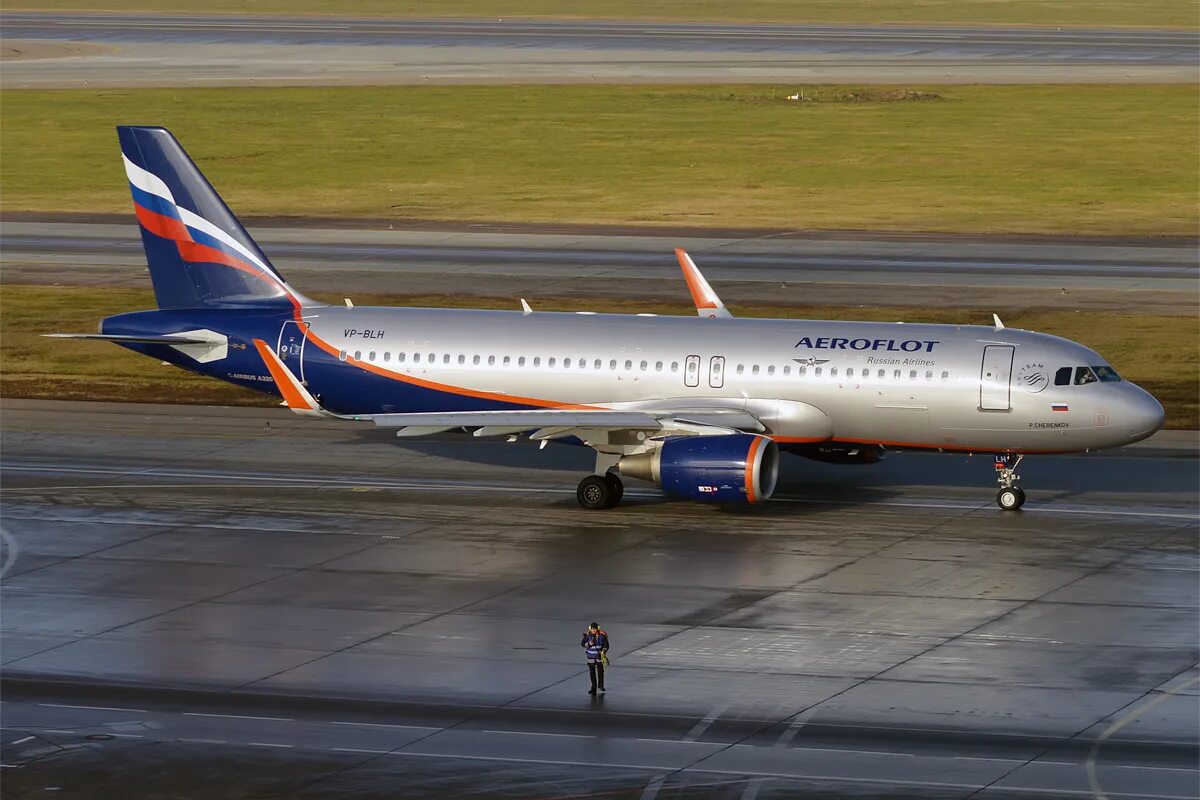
600	491
1010	497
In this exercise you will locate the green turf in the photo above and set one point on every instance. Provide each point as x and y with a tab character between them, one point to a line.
1162	353
1091	13
1046	159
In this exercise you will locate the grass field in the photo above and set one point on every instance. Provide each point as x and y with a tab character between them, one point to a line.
1093	13
1045	159
1161	353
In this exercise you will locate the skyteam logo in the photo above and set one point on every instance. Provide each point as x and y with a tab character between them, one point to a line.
1033	378
876	345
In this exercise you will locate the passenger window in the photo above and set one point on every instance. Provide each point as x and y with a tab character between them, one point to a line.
596	364
833	372
803	372
446	358
817	372
507	360
416	358
754	369
928	374
566	363
342	356
644	365
882	374
549	363
401	357
628	365
674	366
787	370
612	364
771	370
1084	375
475	360
896	374
849	372
432	358
1062	377
658	366
462	359
537	361
521	361
741	368
387	355
491	361
1107	374
945	376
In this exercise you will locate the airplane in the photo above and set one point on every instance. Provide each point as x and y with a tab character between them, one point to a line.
701	406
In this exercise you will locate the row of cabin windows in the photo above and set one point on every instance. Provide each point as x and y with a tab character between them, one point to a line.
644	366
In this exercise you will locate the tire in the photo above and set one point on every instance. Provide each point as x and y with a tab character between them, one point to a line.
617	486
1010	499
595	493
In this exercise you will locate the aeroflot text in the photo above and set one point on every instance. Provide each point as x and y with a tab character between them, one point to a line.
892	345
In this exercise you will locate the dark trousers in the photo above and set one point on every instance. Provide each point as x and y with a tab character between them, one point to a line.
596	672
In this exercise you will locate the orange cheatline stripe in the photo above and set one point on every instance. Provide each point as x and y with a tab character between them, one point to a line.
440	387
699	296
750	460
291	395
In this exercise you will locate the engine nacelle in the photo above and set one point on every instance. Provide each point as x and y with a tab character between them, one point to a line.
843	453
730	468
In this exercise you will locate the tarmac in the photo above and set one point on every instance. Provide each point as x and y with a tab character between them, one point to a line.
113	50
746	267
239	602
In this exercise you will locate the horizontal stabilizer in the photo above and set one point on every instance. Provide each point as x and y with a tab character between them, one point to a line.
170	339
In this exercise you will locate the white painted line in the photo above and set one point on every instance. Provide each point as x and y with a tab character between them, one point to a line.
94	708
53	730
236	716
539	733
356	750
384	725
509	759
703	725
269	744
203	741
127	736
23	741
9	766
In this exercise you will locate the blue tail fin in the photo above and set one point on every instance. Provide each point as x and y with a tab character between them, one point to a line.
199	255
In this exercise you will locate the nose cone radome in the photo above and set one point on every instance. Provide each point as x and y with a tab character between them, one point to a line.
1143	414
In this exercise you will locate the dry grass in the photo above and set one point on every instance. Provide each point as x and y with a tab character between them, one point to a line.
1161	353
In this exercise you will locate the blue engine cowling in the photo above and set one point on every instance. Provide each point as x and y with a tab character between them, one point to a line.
731	468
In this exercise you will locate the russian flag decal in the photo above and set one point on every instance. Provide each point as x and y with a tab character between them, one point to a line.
1058	406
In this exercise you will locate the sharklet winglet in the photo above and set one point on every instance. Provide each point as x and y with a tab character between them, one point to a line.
295	396
706	300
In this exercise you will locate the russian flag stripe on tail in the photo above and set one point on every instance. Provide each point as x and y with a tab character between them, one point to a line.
198	253
1058	406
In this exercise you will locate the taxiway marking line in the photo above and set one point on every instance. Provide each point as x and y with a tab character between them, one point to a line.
328	483
540	733
94	708
23	741
269	744
356	750
236	716
385	725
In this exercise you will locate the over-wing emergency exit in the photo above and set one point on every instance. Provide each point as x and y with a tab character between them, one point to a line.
700	406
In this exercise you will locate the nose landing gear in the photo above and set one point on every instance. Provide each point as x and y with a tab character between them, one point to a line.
1010	497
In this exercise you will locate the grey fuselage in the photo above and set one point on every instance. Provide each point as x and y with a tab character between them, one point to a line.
951	387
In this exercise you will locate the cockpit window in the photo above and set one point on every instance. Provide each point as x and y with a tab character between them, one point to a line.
1063	377
1107	374
1084	375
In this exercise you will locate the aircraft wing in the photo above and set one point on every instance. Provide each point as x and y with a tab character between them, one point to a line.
558	423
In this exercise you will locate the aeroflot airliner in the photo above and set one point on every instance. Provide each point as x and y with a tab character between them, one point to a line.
700	405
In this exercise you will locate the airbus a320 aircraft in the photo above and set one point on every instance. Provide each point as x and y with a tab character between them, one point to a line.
698	405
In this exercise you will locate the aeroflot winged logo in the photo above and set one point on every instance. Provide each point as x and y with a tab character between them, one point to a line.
885	345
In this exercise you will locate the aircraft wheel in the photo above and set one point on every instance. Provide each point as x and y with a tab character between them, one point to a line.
617	486
595	492
1010	498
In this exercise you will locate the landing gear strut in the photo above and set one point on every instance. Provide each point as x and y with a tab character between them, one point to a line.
1010	497
597	492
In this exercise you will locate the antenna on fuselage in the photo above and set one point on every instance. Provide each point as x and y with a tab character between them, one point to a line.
999	324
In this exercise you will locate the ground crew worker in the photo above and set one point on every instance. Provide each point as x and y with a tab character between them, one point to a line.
595	648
